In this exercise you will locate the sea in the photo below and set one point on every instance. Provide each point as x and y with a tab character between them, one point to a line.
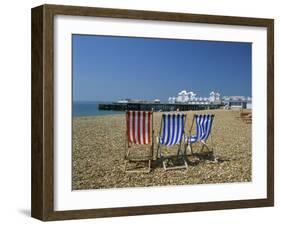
90	108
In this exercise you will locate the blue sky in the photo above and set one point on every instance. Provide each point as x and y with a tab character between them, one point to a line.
109	68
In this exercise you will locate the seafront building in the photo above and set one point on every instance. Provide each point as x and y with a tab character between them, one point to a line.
229	102
192	98
237	102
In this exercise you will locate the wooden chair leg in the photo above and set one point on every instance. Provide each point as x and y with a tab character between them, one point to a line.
190	148
202	148
127	160
179	154
164	165
205	145
185	163
157	150
127	153
185	147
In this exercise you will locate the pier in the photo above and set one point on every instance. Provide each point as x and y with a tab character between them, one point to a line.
156	106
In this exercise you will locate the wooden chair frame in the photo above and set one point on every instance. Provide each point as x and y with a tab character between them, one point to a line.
203	142
128	145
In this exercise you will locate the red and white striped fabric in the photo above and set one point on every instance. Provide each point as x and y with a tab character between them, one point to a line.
139	126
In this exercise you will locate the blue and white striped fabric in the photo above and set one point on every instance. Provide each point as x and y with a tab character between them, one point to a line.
203	128
172	129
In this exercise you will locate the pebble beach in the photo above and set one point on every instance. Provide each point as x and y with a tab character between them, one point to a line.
98	154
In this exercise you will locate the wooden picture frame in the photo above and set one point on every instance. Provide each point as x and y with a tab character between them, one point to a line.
42	203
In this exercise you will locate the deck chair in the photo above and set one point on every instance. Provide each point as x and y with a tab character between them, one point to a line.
204	124
246	117
139	131
171	133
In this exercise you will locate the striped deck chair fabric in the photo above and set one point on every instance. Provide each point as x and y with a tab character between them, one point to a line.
171	133
139	127
139	131
203	128
172	129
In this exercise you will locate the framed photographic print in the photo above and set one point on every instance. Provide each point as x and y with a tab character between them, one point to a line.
141	112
